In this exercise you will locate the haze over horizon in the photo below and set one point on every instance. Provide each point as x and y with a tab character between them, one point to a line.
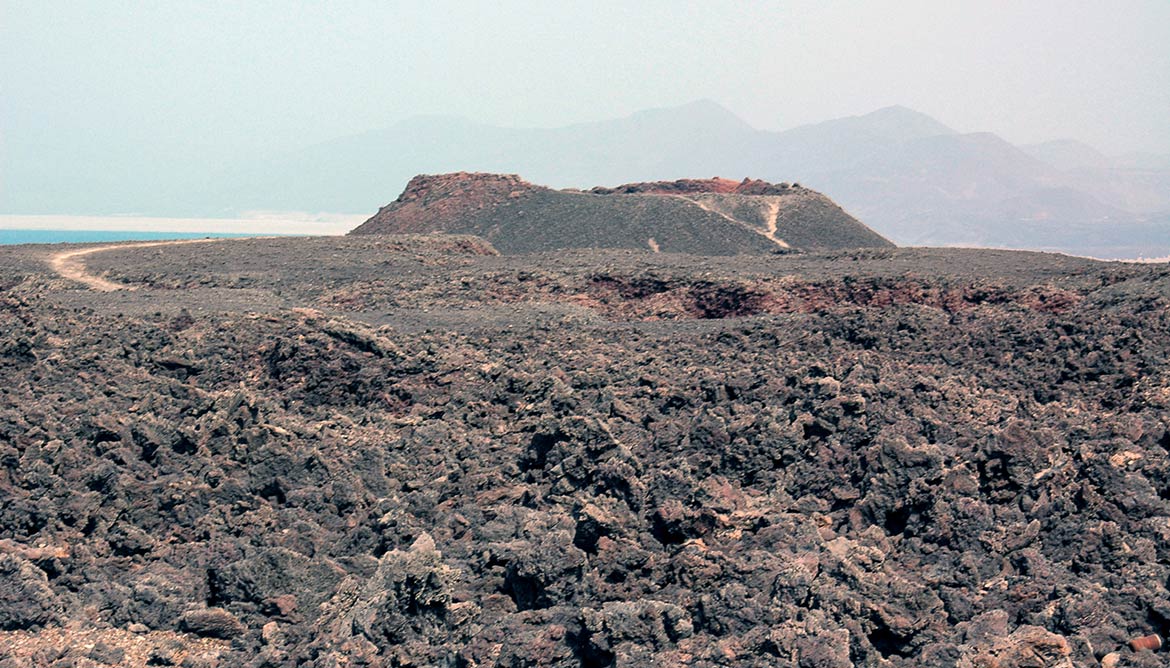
97	92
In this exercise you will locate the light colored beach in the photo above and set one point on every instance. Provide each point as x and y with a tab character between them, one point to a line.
259	223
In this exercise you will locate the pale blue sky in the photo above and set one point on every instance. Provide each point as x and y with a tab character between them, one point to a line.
212	80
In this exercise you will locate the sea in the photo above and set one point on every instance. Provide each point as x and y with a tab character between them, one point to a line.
8	237
59	229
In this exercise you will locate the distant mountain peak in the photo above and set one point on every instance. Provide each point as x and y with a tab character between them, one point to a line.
903	123
703	112
896	109
706	104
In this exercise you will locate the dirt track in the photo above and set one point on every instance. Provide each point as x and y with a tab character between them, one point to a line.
69	264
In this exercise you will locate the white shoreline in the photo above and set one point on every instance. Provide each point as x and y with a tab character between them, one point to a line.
324	224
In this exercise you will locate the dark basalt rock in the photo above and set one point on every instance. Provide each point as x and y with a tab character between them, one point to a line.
26	599
418	454
211	623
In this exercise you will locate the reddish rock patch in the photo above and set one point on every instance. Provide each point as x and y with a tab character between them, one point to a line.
430	202
696	186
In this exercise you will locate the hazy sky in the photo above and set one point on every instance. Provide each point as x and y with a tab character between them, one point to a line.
224	79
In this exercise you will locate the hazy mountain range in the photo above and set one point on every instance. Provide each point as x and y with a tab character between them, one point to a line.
908	176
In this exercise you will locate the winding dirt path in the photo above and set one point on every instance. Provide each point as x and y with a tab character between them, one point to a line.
770	233
773	220
71	264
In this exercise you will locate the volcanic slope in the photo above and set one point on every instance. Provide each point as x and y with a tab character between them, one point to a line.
702	217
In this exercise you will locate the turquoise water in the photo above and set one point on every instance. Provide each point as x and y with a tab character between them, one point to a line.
93	236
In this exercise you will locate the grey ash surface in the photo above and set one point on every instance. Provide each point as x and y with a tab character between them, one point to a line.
411	451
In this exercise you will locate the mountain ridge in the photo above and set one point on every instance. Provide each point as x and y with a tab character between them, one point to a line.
846	158
855	159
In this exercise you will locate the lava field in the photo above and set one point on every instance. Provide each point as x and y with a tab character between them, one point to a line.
382	451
